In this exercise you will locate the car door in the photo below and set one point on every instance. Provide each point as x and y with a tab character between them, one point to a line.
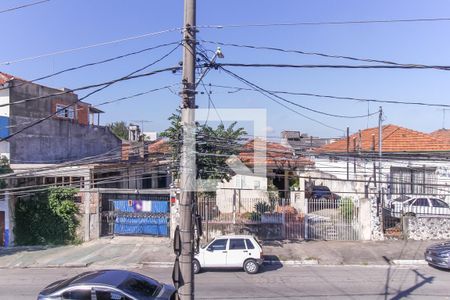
237	253
216	254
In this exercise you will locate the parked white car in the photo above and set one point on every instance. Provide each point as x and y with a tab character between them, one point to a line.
230	251
420	205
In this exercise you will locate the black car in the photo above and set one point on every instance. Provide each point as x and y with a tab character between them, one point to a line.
108	285
321	192
438	255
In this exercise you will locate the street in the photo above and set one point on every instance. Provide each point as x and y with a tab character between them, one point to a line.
274	282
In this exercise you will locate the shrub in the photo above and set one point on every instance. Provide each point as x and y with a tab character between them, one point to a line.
347	208
46	218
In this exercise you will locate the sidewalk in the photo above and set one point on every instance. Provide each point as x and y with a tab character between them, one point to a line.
348	252
148	251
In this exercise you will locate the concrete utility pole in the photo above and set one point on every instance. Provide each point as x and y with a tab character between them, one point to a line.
188	163
380	152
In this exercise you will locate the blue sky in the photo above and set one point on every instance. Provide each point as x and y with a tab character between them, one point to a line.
64	24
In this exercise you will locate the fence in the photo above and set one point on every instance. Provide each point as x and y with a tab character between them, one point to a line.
333	219
136	217
268	218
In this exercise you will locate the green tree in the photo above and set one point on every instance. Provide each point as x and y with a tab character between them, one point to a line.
213	146
4	169
120	129
47	218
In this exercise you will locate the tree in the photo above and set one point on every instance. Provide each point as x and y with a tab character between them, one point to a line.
4	169
48	217
120	129
213	146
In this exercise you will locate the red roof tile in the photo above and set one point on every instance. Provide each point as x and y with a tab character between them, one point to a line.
276	155
395	139
442	134
4	77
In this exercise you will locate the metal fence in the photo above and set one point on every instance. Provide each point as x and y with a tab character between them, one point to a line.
333	219
267	218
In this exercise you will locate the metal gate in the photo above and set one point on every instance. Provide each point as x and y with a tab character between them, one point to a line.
136	217
332	219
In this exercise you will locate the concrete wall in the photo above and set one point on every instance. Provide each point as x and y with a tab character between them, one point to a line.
54	140
426	228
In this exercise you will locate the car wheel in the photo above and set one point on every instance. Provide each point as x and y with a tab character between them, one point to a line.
196	266
251	266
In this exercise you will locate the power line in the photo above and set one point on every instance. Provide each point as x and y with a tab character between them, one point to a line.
282	104
135	37
296	104
95	91
321	54
173	69
237	89
23	6
319	23
330	66
91	64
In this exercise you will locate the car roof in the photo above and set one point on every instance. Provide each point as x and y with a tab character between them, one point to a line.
240	236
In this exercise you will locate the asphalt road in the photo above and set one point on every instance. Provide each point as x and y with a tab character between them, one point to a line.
275	282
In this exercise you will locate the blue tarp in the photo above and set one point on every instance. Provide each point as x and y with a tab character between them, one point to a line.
150	226
141	224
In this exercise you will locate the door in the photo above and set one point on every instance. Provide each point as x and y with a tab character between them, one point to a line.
2	228
216	254
237	253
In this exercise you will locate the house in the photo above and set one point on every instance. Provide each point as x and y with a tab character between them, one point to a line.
411	162
302	142
57	149
71	132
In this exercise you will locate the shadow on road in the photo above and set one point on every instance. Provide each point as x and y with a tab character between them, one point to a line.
423	280
18	249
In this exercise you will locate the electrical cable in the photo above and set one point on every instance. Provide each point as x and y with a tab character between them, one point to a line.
93	92
237	89
331	66
319	23
90	64
90	46
322	55
23	6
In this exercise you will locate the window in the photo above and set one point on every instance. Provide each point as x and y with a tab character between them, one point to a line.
110	295
407	180
139	288
218	245
65	112
237	244
421	202
77	294
249	244
438	203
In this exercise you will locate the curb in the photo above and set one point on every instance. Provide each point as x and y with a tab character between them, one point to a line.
409	262
292	262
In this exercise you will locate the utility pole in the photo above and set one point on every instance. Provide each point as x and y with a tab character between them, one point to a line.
380	153
188	162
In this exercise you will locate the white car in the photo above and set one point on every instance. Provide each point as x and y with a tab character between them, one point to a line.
420	205
231	251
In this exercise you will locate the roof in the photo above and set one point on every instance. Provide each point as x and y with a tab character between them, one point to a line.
4	77
276	155
442	134
395	139
160	146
